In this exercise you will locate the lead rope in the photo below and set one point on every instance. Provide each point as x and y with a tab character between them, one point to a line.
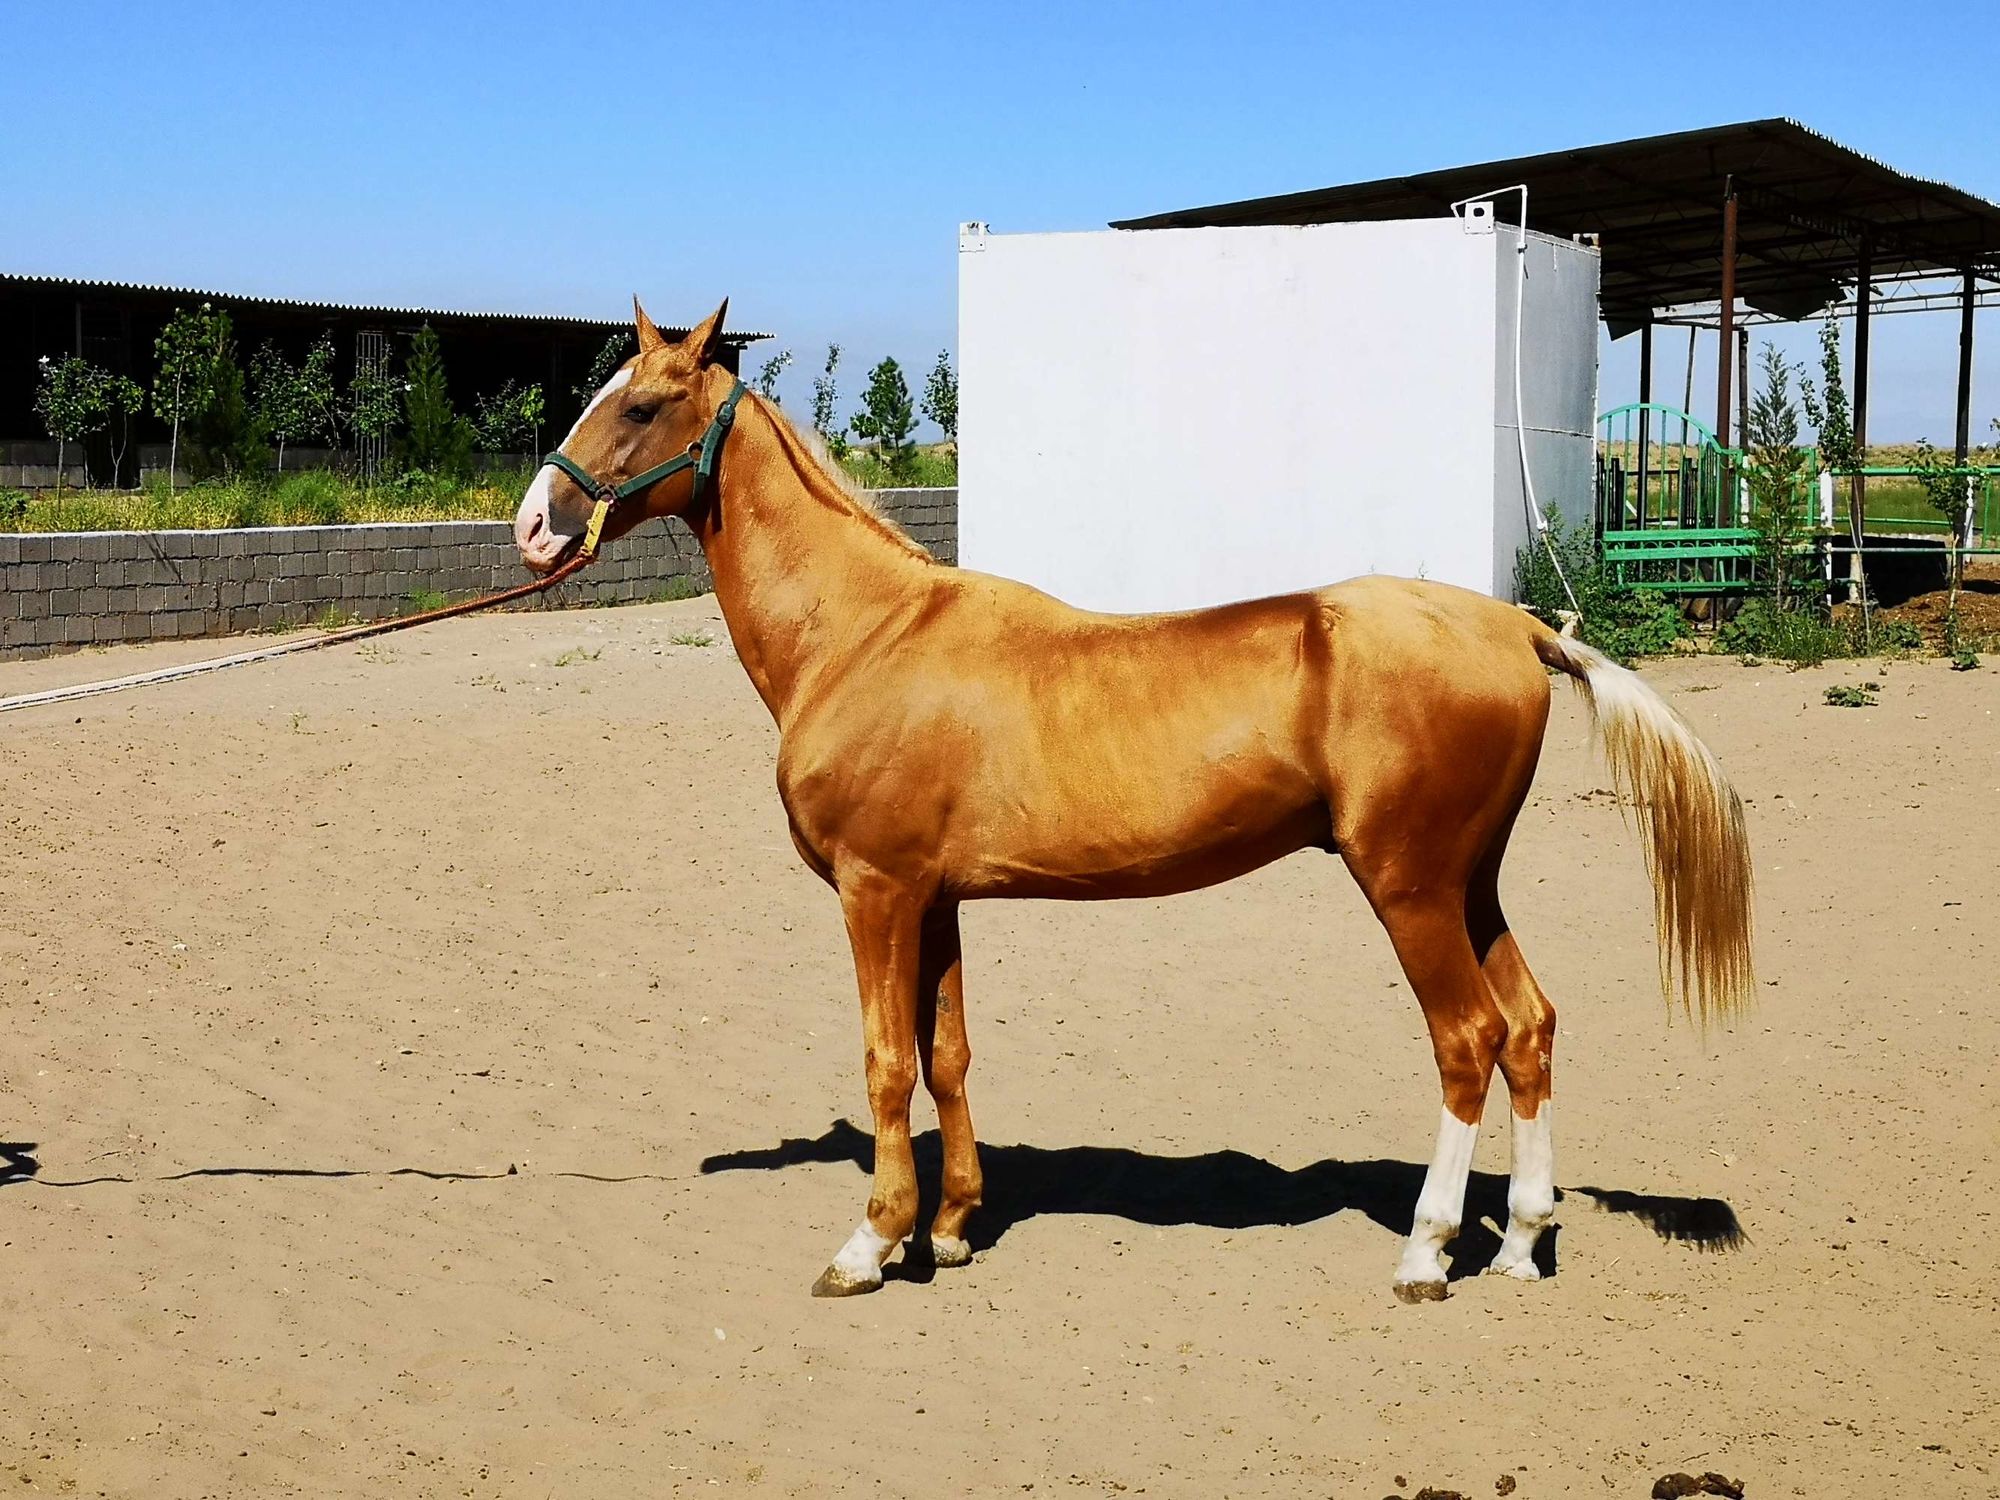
352	633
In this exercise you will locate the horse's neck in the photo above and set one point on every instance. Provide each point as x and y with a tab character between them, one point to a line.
803	574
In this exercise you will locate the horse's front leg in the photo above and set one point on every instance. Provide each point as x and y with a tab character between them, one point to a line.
885	926
946	1054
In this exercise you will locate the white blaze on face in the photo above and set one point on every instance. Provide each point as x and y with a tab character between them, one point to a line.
534	526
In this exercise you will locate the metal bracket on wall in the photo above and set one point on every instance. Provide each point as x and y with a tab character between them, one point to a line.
1476	217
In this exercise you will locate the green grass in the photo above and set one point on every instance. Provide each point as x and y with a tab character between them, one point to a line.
1860	695
674	589
321	497
310	497
691	638
926	468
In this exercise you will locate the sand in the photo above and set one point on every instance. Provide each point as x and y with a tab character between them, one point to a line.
446	1081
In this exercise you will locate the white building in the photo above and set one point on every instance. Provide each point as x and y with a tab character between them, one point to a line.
1167	418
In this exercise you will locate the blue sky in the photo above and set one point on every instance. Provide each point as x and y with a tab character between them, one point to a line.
813	161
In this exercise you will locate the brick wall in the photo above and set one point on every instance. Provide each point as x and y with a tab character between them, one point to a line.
60	590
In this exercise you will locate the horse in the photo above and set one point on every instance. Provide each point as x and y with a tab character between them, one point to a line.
948	736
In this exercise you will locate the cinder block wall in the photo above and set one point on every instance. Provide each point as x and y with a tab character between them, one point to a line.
59	590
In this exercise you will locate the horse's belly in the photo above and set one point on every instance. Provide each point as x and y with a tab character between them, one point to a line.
1109	836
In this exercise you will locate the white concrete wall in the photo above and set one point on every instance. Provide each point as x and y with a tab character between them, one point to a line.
1172	418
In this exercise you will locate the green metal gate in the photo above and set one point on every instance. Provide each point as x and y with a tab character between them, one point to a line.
1670	509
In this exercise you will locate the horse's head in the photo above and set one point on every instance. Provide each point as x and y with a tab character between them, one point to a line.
658	406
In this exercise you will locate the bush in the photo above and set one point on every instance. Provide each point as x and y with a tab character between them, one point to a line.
311	497
1894	637
1620	621
1799	637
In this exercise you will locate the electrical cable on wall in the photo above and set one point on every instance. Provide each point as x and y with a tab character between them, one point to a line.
1537	522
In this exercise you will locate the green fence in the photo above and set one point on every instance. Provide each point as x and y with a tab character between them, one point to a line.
1672	505
1669	503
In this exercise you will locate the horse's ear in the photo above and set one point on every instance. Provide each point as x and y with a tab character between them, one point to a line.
650	338
704	341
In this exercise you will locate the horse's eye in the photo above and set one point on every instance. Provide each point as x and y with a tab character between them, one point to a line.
641	414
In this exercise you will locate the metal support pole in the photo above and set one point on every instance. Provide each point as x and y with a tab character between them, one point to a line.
1962	448
1725	346
1645	414
1857	489
1743	386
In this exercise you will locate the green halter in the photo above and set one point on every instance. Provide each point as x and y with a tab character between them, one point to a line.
700	456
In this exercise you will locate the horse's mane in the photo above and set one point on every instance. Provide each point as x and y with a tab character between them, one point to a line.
807	451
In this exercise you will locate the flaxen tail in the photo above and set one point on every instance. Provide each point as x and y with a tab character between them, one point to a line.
1692	821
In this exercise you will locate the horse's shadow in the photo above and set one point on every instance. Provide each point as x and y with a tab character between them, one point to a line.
1219	1189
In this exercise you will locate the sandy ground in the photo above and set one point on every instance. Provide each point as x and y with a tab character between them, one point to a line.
446	1081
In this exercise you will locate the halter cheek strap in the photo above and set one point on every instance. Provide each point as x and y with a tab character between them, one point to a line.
700	456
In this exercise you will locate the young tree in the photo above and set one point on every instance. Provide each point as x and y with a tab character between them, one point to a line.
617	349
766	383
1839	454
1948	489
887	416
373	404
319	402
226	433
277	396
826	396
439	439
508	420
1778	479
73	401
126	399
182	386
941	397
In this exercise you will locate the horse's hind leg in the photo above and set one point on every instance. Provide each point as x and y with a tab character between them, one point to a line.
945	1053
1525	1059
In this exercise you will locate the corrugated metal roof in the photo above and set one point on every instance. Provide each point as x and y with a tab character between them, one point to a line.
1655	204
86	284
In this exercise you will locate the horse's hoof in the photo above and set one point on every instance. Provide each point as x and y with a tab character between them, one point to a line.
834	1282
950	1252
1420	1291
1520	1270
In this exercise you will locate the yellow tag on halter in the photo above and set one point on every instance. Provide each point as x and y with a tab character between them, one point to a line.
595	529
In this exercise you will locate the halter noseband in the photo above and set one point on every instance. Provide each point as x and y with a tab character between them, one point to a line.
700	456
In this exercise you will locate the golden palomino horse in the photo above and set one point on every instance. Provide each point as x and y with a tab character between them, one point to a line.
946	736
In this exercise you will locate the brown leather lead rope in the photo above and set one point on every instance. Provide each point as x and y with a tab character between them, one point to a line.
581	559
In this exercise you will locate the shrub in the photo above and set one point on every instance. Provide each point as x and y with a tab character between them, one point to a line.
1894	637
312	497
1797	636
1621	621
1860	695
